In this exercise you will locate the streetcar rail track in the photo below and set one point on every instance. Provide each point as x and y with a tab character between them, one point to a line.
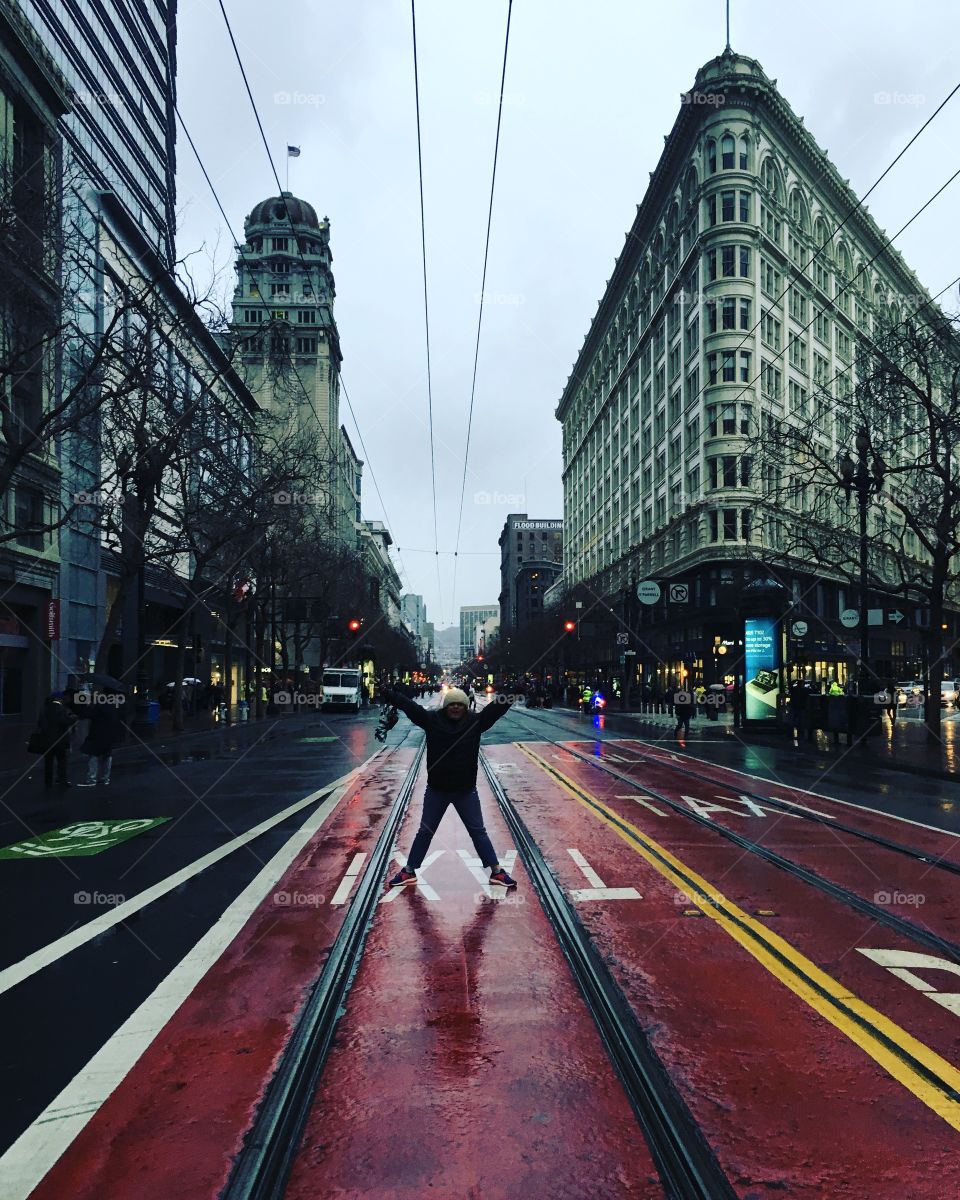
902	925
687	1165
271	1144
794	809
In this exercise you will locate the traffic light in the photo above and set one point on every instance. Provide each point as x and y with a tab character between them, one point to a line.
569	626
354	624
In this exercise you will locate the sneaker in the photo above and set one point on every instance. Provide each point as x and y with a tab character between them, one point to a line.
86	784
502	878
403	877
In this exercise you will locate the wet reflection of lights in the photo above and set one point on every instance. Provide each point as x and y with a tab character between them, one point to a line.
946	806
598	721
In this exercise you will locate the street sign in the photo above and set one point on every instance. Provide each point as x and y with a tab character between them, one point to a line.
623	639
896	616
648	592
874	616
849	617
630	653
799	628
679	593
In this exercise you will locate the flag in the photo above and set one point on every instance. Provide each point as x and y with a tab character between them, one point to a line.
293	151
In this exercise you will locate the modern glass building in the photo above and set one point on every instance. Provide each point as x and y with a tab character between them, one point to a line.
120	60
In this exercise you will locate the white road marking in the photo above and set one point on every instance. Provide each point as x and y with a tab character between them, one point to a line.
756	809
348	880
641	800
809	792
479	872
598	889
43	1143
897	962
425	889
19	971
705	808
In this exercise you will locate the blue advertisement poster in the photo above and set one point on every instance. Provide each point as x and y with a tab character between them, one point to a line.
761	646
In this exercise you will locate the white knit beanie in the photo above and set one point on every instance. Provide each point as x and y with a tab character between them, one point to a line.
454	696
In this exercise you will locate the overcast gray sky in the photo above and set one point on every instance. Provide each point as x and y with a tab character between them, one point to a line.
592	89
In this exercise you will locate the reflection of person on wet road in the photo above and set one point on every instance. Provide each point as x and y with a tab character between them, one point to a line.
453	753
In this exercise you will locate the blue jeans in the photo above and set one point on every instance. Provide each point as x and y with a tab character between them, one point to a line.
467	805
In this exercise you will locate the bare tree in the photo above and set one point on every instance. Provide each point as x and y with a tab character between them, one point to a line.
905	410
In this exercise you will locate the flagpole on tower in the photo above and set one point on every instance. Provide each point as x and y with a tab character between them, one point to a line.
292	152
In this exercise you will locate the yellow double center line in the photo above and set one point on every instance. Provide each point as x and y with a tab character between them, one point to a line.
931	1078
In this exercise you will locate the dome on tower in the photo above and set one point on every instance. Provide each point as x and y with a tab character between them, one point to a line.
281	210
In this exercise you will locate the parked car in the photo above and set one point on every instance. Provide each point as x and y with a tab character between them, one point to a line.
948	693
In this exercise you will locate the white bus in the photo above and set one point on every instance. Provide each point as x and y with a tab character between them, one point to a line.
341	688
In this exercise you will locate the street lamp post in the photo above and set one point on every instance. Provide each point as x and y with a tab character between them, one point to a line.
866	479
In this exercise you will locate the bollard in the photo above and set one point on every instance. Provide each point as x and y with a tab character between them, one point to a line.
243	710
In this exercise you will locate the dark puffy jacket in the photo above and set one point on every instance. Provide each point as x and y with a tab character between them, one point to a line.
105	732
55	722
453	747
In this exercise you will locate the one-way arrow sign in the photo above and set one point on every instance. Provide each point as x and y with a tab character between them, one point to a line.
896	616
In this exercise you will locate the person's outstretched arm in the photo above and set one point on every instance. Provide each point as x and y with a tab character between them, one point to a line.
416	714
498	707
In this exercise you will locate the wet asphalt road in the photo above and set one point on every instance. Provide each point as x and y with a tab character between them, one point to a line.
212	789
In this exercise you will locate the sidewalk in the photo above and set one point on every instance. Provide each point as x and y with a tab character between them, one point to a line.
905	748
14	759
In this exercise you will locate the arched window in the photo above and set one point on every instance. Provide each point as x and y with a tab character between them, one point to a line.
844	269
727	147
690	185
822	237
771	180
744	153
798	211
711	156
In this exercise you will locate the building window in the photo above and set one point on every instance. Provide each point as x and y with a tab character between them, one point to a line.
745	207
711	368
711	210
729	366
727	152
770	380
279	289
307	316
280	243
727	205
711	265
771	331
798	354
729	524
798	306
745	262
712	156
821	327
769	279
306	345
743	154
744	366
745	524
253	316
280	266
27	514
729	260
744	314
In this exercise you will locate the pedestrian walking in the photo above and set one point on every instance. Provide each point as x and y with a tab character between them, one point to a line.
683	707
472	700
892	691
799	695
53	738
453	754
103	735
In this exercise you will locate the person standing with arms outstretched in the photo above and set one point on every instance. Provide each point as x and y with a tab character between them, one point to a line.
453	755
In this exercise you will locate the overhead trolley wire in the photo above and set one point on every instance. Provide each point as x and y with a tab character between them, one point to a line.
283	197
426	307
483	284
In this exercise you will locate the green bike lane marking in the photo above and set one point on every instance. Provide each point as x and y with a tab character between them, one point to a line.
81	839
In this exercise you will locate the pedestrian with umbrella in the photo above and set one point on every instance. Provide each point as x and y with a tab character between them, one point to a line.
104	733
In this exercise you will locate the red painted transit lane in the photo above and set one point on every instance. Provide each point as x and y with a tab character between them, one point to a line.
896	882
934	842
769	1078
832	934
466	1064
176	1121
